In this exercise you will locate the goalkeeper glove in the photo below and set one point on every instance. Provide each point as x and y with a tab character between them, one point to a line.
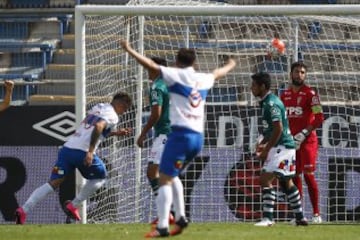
300	138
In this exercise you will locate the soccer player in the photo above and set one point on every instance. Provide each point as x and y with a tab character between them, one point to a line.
9	86
159	119
188	90
305	115
79	151
276	150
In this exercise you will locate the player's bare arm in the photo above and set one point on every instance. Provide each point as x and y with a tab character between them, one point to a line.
154	117
9	86
121	132
274	138
221	72
98	128
146	62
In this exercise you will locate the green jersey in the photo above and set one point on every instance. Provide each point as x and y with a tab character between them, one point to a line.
159	95
273	110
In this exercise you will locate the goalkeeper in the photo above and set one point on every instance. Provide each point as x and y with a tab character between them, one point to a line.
305	115
188	90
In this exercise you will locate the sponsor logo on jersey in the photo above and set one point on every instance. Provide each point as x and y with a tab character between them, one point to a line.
294	111
195	98
315	100
298	100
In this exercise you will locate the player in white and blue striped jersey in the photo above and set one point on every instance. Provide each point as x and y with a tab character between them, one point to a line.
79	152
188	90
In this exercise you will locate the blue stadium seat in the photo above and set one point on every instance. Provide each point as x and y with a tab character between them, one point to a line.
41	52
18	30
64	3
28	4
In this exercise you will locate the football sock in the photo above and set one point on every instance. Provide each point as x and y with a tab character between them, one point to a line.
36	196
297	181
294	199
313	192
163	205
89	188
178	198
268	202
154	183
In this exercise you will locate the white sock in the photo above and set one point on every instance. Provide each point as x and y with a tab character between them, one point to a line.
36	196
163	205
89	188
178	198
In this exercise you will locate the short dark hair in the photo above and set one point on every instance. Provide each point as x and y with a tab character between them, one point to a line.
262	78
186	57
159	60
298	64
123	97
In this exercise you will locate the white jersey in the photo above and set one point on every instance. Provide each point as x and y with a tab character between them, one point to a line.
188	90
81	138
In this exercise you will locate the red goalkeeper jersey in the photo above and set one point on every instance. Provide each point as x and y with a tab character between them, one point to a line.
303	109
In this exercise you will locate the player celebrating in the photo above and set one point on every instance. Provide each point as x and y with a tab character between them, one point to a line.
159	119
305	115
79	152
188	90
9	86
277	150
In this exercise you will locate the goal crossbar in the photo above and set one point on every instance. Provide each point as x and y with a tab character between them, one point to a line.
249	10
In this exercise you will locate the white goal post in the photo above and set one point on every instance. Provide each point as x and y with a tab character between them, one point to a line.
222	184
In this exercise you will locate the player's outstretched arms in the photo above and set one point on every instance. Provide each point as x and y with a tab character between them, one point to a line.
221	72
9	86
145	61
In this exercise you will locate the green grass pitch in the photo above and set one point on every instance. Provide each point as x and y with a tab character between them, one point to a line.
196	231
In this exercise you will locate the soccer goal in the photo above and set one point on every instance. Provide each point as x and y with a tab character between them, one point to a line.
221	184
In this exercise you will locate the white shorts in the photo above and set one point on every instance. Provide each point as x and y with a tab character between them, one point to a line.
157	149
281	161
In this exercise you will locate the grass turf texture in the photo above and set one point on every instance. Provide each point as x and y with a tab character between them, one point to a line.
196	231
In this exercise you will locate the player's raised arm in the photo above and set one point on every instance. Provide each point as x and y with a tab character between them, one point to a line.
147	63
222	71
9	86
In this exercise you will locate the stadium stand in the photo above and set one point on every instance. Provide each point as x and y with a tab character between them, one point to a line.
30	33
37	46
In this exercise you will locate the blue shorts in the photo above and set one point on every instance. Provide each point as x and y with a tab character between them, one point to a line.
70	159
182	145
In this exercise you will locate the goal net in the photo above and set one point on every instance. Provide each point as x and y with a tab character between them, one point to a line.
222	183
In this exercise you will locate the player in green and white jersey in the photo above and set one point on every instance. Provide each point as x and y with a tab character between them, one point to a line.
160	121
276	148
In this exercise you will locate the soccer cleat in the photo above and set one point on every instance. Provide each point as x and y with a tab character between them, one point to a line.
179	226
20	216
157	232
265	222
316	219
302	222
171	220
72	211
